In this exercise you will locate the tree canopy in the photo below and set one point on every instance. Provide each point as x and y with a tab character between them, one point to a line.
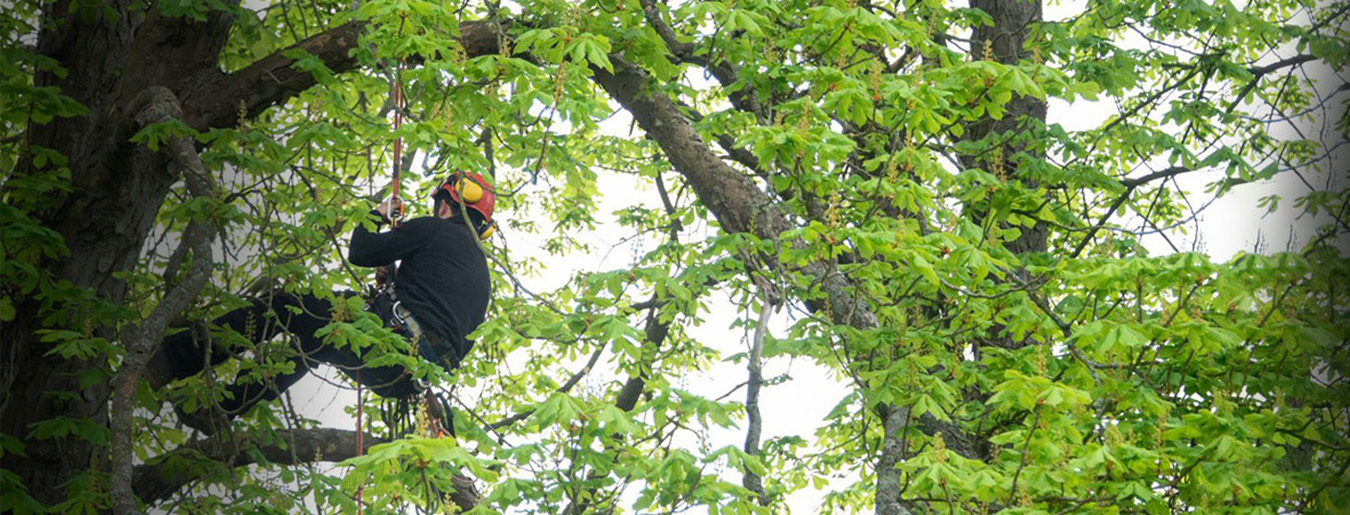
976	217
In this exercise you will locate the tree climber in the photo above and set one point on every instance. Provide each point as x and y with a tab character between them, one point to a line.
438	296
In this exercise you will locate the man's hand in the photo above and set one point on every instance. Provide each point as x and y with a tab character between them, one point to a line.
384	208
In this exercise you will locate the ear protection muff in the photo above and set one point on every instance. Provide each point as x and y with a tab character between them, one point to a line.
470	191
486	229
475	193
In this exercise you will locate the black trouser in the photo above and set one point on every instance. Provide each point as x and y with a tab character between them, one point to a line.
186	354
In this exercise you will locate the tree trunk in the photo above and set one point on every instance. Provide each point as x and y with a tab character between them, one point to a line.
117	188
116	191
1005	42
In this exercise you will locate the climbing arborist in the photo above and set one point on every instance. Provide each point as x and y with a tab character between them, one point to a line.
437	296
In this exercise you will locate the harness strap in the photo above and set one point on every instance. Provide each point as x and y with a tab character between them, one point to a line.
420	337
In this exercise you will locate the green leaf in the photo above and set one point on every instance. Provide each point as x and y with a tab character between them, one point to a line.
62	426
154	134
14	496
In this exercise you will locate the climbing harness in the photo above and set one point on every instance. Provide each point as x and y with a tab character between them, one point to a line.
430	346
428	412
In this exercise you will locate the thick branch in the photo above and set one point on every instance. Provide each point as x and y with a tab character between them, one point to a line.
1258	71
190	44
733	197
894	420
653	16
754	367
741	207
160	105
215	100
654	335
740	155
274	80
168	473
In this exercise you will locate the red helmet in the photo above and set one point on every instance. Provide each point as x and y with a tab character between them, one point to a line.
473	191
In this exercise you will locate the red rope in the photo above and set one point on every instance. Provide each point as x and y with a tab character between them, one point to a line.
398	147
394	215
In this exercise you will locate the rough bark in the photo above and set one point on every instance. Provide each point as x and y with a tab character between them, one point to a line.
214	97
732	197
117	190
754	422
159	106
890	483
1006	42
740	207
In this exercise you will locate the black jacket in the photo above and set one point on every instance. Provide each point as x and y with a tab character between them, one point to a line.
443	277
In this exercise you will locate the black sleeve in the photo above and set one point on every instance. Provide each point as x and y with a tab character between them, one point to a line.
383	248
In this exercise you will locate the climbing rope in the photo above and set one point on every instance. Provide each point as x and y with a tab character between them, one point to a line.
397	214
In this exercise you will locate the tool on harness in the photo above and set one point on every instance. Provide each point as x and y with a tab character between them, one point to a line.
408	415
431	345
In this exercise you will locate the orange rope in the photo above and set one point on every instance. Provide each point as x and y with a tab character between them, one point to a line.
398	148
394	215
